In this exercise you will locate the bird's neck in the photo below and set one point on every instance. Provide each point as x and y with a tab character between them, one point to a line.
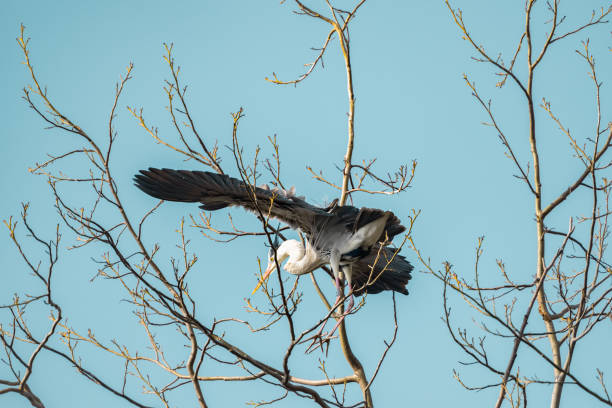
302	261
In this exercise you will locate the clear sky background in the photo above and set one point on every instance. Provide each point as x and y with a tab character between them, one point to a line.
411	103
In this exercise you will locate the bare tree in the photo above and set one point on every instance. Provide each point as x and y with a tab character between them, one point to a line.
570	281
161	297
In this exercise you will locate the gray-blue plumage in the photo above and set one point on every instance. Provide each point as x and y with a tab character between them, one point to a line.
345	237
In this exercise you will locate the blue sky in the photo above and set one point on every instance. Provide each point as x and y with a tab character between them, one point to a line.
411	103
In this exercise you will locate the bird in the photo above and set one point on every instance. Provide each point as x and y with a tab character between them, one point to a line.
351	240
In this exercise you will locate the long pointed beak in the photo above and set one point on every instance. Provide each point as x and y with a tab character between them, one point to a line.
265	276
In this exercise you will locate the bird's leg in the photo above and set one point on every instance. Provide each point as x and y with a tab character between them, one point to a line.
347	273
334	261
339	294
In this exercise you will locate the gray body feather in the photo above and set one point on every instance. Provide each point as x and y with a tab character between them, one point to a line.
328	229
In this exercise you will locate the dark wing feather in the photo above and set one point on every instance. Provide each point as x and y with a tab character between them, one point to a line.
394	276
216	191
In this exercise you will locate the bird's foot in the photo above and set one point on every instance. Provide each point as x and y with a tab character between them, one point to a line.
318	341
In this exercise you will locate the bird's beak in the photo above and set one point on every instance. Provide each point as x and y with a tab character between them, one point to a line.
271	267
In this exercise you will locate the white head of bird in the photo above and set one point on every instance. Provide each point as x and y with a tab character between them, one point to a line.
299	260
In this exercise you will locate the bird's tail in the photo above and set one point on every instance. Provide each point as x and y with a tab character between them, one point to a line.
390	271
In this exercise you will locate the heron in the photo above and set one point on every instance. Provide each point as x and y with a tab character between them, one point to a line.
352	241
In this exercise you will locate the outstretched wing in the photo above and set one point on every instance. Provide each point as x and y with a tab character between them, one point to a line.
216	191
